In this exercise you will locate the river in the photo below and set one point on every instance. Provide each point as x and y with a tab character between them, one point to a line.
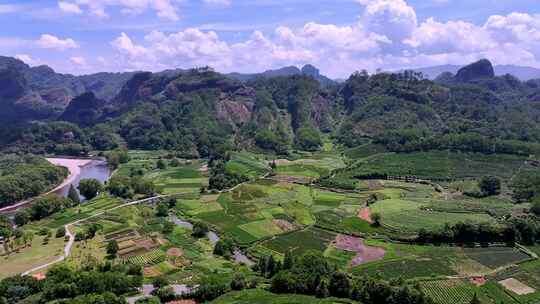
81	169
239	257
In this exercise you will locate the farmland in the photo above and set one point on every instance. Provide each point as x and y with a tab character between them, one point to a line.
368	230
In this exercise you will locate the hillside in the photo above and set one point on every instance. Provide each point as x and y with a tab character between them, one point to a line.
39	92
199	111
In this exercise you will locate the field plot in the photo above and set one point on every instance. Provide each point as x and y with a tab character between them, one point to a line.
411	216
304	170
247	164
97	205
149	258
450	291
441	165
494	257
301	241
187	177
516	287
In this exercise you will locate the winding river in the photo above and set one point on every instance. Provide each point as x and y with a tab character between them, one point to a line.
239	257
81	169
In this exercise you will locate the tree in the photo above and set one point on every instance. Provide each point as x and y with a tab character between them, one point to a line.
162	210
112	248
89	188
60	232
535	208
160	282
22	217
148	300
161	164
211	287
73	196
200	229
288	260
322	290
475	299
239	282
168	227
376	218
490	185
339	285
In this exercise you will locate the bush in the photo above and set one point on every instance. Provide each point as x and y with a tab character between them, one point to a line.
60	232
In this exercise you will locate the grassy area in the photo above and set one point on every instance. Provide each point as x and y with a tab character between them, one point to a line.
441	165
300	241
264	297
411	216
26	258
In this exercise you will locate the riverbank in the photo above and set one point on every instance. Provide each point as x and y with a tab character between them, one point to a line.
74	167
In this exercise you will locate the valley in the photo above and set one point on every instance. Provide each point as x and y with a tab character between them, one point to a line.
200	187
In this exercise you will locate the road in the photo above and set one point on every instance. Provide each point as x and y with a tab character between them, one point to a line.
71	241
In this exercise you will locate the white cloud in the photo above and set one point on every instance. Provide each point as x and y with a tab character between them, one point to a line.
69	8
80	61
98	8
27	59
218	2
9	8
394	19
47	41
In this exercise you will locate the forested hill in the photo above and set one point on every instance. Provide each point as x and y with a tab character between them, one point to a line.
198	112
40	93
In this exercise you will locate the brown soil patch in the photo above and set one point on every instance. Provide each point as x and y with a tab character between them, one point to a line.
284	225
478	281
146	243
364	253
132	251
365	214
374	185
39	276
162	241
151	272
175	252
182	302
283	162
517	287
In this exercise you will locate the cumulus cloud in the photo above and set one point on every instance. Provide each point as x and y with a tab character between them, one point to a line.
28	59
69	8
47	41
387	35
394	19
218	2
80	61
163	8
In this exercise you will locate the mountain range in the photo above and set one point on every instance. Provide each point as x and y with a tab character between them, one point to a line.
521	72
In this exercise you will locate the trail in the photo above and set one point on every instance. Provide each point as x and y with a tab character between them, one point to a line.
71	241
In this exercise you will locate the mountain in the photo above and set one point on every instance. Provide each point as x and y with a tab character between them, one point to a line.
39	92
481	69
520	72
308	70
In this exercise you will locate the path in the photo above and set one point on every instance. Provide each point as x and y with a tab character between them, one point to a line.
71	241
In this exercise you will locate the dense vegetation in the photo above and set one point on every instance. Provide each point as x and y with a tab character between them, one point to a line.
26	176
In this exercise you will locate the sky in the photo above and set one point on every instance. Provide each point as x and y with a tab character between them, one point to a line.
337	36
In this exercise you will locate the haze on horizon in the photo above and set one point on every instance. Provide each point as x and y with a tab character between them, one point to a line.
337	36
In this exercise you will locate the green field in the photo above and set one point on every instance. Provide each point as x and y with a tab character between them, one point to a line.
264	297
441	165
411	216
300	241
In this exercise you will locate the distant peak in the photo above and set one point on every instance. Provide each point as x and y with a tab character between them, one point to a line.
310	70
477	70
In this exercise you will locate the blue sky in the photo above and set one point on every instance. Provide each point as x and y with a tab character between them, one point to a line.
339	36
